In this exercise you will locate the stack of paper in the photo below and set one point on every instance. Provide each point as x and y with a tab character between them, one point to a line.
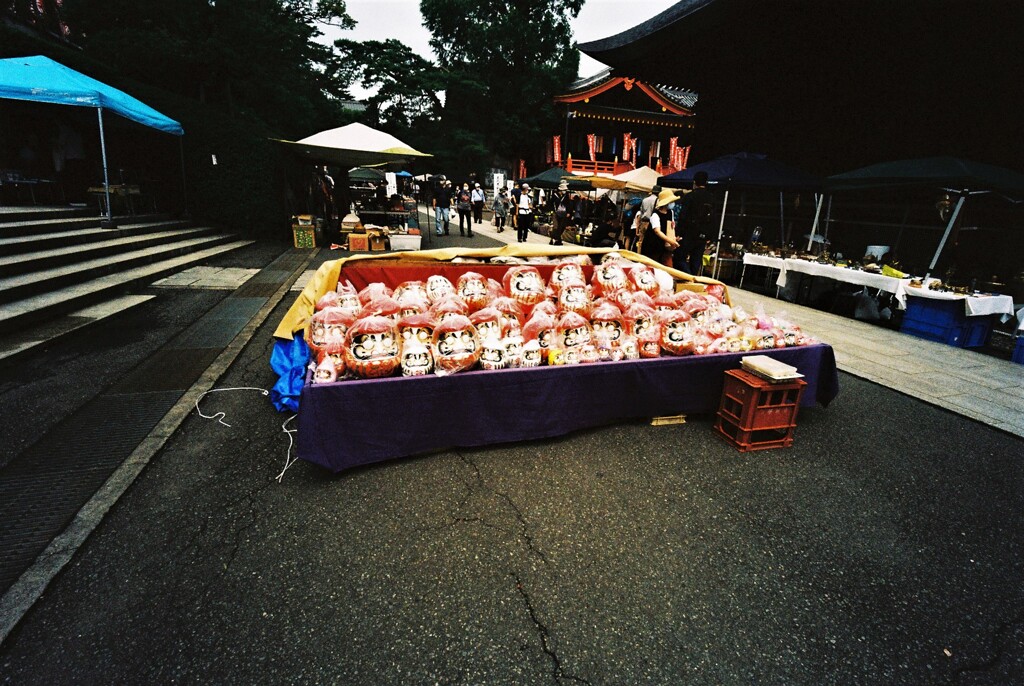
769	368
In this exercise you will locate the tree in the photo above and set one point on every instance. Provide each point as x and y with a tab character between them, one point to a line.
513	56
257	56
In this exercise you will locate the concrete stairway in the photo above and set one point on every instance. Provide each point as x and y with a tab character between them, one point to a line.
60	271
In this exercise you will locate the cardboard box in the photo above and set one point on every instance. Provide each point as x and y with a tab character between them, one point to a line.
378	243
358	242
404	242
305	236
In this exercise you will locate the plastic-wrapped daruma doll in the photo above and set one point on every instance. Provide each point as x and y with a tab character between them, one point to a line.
511	313
472	288
540	328
489	323
492	354
325	371
327	325
448	306
642	278
677	333
531	353
456	344
438	287
381	306
609	277
574	297
638	319
416	288
373	290
513	350
564	272
329	299
607	320
416	327
335	352
630	349
574	331
524	284
372	349
417	359
649	341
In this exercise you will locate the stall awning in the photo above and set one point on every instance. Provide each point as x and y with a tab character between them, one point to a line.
40	79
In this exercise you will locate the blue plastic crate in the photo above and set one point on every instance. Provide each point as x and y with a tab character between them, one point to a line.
944	321
1018	351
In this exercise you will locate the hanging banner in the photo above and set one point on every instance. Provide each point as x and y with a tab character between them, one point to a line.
673	145
627	146
556	144
522	169
591	143
686	156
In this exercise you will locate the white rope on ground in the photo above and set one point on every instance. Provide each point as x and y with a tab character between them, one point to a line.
220	415
288	459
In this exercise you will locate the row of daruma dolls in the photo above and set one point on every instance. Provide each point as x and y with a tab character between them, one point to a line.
626	312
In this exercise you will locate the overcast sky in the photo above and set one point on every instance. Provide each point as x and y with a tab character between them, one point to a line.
400	19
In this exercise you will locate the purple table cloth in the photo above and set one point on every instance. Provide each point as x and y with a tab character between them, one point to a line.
351	423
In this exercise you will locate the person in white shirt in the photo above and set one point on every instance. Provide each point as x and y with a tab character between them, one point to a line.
524	214
478	197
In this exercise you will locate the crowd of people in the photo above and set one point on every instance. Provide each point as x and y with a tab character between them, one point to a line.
668	227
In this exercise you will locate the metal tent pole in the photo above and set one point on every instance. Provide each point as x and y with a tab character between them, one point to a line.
949	228
814	226
718	247
109	224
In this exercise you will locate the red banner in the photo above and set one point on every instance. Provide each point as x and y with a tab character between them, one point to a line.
591	143
556	142
673	145
627	147
522	169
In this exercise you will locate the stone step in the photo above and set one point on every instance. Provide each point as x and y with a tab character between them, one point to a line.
10	228
39	305
104	243
22	341
32	212
65	235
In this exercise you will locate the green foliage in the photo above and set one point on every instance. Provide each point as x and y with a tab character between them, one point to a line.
513	56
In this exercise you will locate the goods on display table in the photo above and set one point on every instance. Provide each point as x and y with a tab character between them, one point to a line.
483	344
960	319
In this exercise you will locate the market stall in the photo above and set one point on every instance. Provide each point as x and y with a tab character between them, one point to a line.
468	347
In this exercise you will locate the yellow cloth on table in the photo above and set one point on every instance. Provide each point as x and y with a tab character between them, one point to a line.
894	273
326	277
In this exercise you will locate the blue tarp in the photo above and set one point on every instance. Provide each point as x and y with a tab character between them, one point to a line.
40	79
288	359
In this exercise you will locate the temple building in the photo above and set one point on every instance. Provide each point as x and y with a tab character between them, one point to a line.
615	123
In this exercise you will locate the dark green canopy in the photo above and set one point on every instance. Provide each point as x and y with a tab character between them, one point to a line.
552	177
365	174
950	173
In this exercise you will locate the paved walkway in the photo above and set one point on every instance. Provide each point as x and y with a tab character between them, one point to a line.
982	387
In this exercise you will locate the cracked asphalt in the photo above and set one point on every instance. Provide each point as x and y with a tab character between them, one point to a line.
884	547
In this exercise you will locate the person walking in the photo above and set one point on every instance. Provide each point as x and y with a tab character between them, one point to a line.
478	197
524	214
559	204
696	215
442	207
500	209
464	206
657	238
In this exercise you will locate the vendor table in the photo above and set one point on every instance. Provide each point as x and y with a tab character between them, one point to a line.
765	261
351	423
964	321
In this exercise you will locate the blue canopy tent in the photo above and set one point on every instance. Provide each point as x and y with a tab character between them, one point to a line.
749	170
40	79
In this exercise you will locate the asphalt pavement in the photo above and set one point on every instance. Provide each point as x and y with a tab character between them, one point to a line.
883	547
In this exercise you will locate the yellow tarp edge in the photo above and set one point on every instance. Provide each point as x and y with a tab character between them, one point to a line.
326	277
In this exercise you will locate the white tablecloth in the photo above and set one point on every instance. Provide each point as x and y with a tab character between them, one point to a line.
767	261
974	305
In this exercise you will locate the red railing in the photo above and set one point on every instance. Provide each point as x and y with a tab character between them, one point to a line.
613	168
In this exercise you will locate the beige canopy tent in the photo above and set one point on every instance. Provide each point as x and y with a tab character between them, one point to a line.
355	145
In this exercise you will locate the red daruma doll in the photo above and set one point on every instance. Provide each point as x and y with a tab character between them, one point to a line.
472	288
456	344
525	285
677	332
372	349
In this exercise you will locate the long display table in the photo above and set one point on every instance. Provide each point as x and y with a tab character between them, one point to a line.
359	422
